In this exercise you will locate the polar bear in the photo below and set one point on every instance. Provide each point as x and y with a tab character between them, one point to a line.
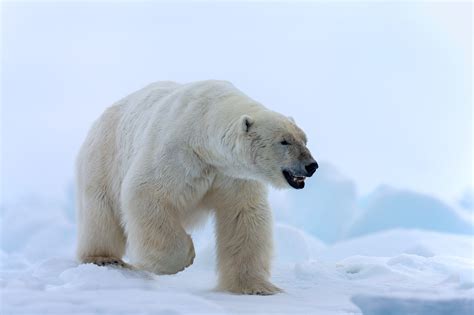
162	158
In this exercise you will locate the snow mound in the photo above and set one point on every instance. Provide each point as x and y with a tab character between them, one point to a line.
293	245
92	277
363	267
467	200
389	208
400	241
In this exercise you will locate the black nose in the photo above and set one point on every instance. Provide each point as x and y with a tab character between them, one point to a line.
311	168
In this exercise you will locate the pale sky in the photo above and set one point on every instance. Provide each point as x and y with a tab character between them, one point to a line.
383	90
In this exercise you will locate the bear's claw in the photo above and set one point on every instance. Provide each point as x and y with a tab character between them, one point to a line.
106	261
259	288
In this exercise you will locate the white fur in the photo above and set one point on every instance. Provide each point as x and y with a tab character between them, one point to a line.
161	158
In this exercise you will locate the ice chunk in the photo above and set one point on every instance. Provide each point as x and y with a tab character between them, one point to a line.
382	305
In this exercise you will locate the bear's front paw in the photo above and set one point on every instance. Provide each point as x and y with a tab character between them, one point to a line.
175	259
254	288
188	261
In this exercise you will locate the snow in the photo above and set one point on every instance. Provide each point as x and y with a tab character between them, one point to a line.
336	279
403	241
410	264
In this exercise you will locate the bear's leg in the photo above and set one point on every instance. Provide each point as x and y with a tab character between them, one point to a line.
157	241
244	241
101	239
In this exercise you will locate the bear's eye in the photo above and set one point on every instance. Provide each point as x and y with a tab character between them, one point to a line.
284	142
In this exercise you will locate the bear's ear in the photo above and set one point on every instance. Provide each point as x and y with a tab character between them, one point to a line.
291	119
246	122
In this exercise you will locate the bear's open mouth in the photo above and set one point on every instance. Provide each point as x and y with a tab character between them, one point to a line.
295	181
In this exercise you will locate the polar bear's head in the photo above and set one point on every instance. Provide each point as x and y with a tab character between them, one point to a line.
274	148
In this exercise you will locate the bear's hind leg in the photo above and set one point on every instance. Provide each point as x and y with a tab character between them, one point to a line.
101	239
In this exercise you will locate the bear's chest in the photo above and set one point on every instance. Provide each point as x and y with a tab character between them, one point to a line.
195	187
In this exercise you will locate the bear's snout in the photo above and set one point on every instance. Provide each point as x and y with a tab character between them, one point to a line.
311	168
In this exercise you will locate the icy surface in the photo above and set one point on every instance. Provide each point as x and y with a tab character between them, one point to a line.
380	305
402	267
